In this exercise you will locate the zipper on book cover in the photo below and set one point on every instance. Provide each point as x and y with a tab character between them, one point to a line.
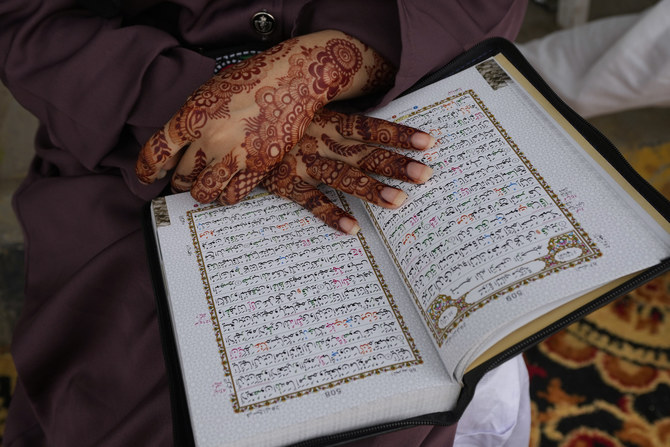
332	440
577	315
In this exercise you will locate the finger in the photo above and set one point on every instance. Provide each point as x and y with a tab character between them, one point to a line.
240	185
378	131
157	155
377	160
153	156
190	166
393	165
213	179
345	150
314	201
353	181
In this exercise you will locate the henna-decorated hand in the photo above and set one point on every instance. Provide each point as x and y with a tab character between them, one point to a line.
335	151
239	125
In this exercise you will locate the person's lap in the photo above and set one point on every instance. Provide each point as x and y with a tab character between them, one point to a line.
87	347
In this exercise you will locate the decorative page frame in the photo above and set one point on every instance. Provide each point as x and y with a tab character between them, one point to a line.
224	353
445	312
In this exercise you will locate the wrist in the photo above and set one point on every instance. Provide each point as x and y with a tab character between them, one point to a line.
312	70
343	67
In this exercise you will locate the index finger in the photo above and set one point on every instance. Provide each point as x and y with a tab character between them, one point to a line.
379	131
313	200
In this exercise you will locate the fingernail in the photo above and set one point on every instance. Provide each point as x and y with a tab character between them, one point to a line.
348	225
422	140
419	172
161	174
393	196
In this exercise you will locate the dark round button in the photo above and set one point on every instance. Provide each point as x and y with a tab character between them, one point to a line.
263	23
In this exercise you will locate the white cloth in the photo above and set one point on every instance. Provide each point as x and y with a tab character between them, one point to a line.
608	65
499	413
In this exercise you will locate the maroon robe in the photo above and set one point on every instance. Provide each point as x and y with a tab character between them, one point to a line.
87	347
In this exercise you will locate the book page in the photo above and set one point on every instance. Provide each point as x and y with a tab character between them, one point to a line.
293	315
515	220
284	320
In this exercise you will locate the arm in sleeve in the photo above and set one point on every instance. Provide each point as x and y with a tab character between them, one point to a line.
86	77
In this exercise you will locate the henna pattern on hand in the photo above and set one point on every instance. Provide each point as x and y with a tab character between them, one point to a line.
284	182
307	165
212	99
345	150
344	177
148	159
344	124
383	132
213	179
287	109
240	186
283	108
368	129
388	164
335	66
380	75
181	182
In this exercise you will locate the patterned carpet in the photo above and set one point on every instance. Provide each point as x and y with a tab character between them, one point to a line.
605	381
7	382
602	382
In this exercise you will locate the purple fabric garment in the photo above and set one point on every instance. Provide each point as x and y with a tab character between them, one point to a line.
87	348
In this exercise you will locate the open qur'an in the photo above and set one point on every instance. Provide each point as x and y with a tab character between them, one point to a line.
286	330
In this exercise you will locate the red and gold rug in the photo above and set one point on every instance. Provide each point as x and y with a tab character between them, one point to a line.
7	383
605	381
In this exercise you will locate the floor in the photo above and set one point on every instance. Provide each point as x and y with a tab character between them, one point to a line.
17	129
628	130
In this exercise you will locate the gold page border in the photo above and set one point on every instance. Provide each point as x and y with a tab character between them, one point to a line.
441	334
583	142
221	345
